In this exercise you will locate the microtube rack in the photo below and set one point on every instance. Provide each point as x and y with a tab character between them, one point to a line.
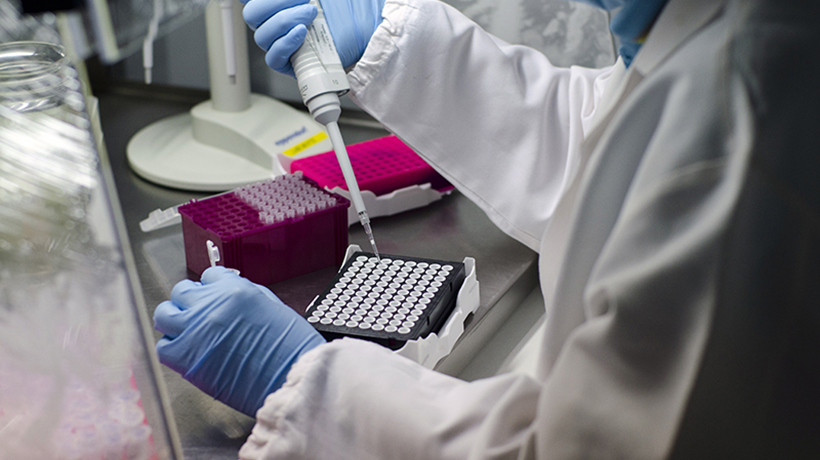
95	429
270	231
381	166
90	421
388	301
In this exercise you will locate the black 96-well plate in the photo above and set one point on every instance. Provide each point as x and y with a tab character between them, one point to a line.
389	301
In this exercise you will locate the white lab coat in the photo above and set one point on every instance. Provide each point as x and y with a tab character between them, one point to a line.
628	183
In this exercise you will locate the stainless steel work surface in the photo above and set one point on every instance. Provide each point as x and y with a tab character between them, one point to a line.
450	229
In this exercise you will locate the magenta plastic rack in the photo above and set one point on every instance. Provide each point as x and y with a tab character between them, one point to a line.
269	231
381	166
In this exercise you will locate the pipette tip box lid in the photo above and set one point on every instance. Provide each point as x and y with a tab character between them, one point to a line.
270	231
381	166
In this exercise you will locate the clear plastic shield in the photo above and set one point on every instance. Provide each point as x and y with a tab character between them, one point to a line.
78	378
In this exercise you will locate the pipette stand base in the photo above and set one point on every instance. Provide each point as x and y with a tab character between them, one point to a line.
211	150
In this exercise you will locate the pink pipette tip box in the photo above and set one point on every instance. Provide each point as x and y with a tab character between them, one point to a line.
381	166
270	231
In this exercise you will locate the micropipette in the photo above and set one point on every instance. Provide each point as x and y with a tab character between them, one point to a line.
322	79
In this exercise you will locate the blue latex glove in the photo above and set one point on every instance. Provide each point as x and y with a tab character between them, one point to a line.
280	27
233	339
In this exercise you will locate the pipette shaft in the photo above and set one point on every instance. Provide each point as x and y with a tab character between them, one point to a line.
350	180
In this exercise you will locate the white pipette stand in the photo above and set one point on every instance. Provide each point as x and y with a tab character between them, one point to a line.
232	139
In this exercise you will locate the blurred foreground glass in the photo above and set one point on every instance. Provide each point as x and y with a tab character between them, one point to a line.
78	378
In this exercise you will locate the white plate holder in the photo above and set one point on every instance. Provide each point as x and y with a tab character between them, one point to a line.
429	350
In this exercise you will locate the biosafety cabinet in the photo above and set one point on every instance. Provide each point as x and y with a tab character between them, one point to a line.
78	377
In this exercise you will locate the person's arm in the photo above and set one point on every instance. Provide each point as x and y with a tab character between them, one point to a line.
355	400
646	297
351	399
498	120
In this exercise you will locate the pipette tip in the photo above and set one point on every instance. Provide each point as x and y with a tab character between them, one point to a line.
365	220
373	243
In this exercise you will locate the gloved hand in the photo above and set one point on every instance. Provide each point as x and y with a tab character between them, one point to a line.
280	27
233	339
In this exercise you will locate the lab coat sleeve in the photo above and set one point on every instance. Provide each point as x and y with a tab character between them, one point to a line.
497	120
503	125
351	399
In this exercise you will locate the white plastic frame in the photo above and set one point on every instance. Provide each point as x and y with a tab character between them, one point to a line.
403	199
397	201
